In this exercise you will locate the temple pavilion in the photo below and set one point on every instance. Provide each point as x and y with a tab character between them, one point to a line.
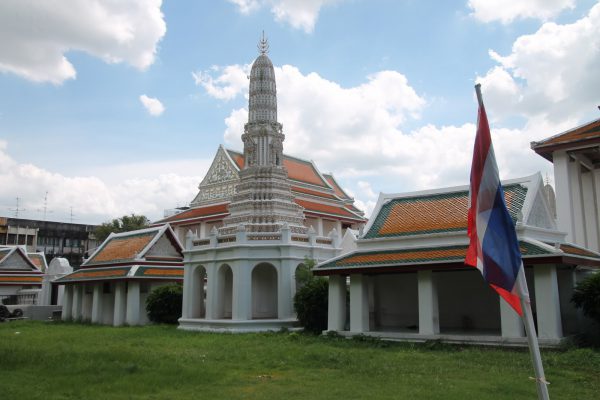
257	216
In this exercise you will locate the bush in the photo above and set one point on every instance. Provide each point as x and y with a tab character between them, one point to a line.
163	304
587	297
310	303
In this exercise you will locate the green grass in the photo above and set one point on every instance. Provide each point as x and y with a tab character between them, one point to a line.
69	361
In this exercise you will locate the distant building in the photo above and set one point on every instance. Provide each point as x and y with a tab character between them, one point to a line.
54	239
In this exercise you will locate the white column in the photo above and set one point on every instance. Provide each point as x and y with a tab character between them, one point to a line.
67	303
320	226
133	303
202	234
359	303
510	322
336	314
86	304
97	302
429	320
590	210
211	282
547	302
563	193
577	203
242	291
186	311
285	308
119	307
77	301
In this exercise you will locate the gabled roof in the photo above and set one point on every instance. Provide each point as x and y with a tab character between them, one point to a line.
15	258
409	259
39	260
581	136
199	213
133	246
327	209
298	169
168	273
336	187
442	210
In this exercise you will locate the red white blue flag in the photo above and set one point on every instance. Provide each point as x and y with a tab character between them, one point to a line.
493	247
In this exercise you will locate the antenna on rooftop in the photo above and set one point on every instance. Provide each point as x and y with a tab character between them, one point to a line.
17	209
45	209
72	216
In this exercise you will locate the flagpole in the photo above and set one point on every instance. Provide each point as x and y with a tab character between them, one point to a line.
527	317
534	348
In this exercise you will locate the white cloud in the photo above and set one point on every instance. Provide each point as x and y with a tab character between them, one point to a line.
35	36
95	199
507	11
152	105
552	72
300	14
231	81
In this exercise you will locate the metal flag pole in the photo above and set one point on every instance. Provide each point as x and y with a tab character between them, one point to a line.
527	316
532	340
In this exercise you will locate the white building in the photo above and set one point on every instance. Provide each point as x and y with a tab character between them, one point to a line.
257	216
407	278
111	287
576	158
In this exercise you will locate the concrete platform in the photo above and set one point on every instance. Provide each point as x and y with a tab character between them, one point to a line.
236	326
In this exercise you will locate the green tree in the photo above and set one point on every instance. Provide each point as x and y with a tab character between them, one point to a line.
310	301
124	224
587	297
164	303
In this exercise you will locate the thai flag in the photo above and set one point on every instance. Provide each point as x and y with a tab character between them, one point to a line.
493	248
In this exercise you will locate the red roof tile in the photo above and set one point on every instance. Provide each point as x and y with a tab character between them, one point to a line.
198	212
122	248
589	132
312	192
325	209
336	188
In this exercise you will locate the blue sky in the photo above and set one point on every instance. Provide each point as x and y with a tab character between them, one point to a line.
378	92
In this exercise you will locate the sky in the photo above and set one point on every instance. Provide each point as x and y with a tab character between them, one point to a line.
113	107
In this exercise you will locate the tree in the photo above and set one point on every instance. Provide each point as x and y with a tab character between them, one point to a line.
163	304
124	224
310	301
587	297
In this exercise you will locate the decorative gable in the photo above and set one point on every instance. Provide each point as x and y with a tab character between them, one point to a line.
16	259
219	182
163	247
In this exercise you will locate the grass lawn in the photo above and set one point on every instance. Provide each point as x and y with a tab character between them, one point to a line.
69	361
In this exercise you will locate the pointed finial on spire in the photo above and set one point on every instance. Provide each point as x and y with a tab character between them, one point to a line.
263	45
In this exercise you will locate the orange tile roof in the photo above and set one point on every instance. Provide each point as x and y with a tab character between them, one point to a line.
336	188
122	248
21	279
312	192
569	249
298	170
587	132
326	209
198	212
37	260
433	213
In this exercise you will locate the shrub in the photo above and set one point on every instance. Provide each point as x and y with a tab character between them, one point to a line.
587	297
163	304
310	301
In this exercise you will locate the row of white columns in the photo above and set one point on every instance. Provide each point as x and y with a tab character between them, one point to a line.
546	293
577	194
79	306
218	295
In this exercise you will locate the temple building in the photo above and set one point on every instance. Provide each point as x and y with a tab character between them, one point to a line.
111	286
258	214
21	275
575	155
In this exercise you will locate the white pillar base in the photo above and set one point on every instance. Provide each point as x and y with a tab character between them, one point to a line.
429	319
359	303
336	315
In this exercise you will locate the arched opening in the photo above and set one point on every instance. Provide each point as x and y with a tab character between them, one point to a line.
224	292
264	292
198	295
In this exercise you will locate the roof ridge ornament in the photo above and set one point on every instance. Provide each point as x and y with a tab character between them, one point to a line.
263	44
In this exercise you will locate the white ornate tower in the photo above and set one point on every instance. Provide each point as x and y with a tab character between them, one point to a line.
263	201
